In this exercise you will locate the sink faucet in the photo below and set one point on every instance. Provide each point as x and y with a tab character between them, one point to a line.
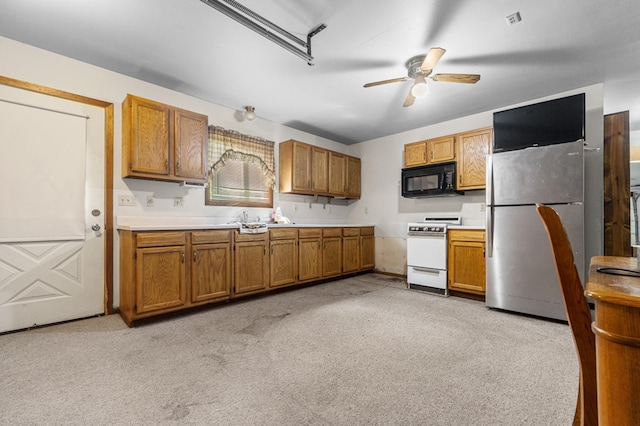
245	216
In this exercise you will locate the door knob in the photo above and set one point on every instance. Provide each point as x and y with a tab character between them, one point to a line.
95	227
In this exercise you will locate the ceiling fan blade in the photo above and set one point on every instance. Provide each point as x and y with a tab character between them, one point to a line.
432	58
409	100
393	80
457	78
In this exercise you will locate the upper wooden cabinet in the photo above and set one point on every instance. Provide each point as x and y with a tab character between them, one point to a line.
161	142
310	170
472	158
337	176
319	170
430	151
468	149
353	178
295	167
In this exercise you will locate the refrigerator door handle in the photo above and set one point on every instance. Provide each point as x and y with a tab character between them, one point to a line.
489	231
489	204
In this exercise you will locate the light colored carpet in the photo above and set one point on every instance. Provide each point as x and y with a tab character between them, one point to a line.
360	351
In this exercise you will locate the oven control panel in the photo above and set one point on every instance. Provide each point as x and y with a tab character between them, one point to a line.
426	228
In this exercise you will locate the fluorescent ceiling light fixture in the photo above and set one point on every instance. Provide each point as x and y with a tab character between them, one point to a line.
257	23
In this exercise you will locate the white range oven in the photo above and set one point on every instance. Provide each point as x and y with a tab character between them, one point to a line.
427	254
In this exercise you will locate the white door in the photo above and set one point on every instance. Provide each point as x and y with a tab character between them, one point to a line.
52	192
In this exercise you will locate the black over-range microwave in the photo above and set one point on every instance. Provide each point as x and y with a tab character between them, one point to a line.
435	180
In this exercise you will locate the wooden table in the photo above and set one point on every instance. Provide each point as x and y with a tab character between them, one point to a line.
617	330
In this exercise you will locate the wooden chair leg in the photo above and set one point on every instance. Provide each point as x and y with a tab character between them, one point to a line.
577	418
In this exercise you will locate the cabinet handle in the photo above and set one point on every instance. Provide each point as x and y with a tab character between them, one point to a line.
166	165
195	256
424	156
431	155
178	166
182	257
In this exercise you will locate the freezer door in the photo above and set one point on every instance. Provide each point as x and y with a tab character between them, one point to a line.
546	174
521	272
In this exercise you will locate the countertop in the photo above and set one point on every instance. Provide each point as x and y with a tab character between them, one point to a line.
152	223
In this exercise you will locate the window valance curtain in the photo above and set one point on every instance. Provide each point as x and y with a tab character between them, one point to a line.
226	145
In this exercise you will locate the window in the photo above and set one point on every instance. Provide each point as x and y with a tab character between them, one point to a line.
241	171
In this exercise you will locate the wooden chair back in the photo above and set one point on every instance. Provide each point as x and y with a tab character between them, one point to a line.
578	314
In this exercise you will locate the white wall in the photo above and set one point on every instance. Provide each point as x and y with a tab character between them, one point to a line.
382	159
382	203
37	66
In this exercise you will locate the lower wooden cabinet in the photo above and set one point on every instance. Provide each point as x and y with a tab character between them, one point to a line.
165	271
210	265
251	263
168	271
367	248
160	277
283	256
350	249
466	268
331	252
309	254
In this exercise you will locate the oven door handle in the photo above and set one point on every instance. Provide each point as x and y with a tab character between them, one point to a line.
431	270
438	235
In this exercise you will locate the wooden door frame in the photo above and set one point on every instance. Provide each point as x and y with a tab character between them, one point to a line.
108	173
617	185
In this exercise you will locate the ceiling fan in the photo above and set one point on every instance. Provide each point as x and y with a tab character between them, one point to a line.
420	67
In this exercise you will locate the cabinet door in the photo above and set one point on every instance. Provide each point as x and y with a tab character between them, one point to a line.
301	177
441	149
331	256
210	271
160	278
319	170
309	259
190	146
353	177
148	137
472	158
284	262
251	267
415	154
367	252
350	253
337	168
467	268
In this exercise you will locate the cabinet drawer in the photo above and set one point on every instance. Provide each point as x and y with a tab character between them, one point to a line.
251	237
156	239
466	235
332	232
212	236
309	232
350	232
284	233
366	231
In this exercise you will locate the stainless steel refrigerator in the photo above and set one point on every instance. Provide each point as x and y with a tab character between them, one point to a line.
521	273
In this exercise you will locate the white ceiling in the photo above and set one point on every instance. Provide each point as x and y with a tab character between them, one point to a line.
186	45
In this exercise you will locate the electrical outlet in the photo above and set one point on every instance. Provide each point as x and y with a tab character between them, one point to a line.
178	202
127	200
150	201
483	207
366	210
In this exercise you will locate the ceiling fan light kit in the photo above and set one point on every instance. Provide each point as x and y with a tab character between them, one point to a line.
419	68
257	23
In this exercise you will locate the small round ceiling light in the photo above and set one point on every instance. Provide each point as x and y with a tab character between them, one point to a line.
249	113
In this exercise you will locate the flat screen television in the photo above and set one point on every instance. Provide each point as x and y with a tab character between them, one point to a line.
545	123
